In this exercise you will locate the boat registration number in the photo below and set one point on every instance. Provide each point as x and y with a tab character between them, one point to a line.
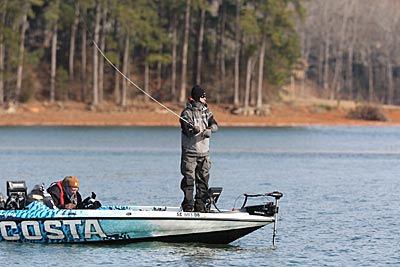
188	214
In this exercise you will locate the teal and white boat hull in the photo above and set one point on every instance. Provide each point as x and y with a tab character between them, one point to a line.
39	224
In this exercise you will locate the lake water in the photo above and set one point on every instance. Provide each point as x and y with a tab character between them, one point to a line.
341	191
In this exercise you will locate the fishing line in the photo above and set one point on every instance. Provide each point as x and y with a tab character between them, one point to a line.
138	87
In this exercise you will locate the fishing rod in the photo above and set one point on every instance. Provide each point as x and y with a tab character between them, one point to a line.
138	87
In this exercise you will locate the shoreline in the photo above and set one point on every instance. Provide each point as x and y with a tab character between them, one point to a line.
151	115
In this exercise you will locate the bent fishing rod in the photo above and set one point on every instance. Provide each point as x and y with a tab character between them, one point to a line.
138	87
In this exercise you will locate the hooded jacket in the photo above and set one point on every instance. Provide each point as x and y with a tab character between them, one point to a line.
201	118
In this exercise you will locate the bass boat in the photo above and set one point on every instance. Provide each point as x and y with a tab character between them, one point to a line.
32	218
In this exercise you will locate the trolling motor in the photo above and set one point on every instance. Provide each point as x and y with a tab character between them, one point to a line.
267	209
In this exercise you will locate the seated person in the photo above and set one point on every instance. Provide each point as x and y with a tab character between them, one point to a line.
65	193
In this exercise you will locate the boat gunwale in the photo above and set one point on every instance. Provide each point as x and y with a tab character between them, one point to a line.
253	218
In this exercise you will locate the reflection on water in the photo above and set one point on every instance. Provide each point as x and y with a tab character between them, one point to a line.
340	185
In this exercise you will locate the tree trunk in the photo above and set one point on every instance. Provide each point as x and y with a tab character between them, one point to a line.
320	64
390	99
117	93
2	53
103	48
220	57
117	75
159	72
146	81
174	48
53	63
83	57
349	77
370	76
24	27
253	88
326	64
159	67
125	70
237	55
261	73
74	28
200	43
218	52
248	85
95	88
1	69
337	75
339	58
182	96
222	65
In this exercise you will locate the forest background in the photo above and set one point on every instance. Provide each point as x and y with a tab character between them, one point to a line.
250	55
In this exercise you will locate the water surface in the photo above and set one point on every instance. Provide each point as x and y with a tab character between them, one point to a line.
340	184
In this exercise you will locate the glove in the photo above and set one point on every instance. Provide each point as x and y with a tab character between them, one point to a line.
214	128
196	129
207	133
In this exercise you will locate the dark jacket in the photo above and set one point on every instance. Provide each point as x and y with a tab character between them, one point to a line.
55	192
195	120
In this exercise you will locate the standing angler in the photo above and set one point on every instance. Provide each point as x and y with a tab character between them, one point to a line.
197	123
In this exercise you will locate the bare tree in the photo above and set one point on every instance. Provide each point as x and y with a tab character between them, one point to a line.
24	27
74	28
146	80
341	39
389	24
249	70
200	40
370	64
351	40
364	32
185	52
222	47
2	51
83	55
95	88
260	73
102	47
220	51
237	54
53	63
125	65
173	52
53	9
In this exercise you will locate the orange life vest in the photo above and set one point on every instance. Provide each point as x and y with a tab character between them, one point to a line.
59	184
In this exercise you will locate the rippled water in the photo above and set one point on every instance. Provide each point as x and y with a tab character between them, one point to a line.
341	191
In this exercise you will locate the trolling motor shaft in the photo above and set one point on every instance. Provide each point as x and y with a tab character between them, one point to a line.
277	195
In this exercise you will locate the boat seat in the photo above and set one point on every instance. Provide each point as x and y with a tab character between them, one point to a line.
213	193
